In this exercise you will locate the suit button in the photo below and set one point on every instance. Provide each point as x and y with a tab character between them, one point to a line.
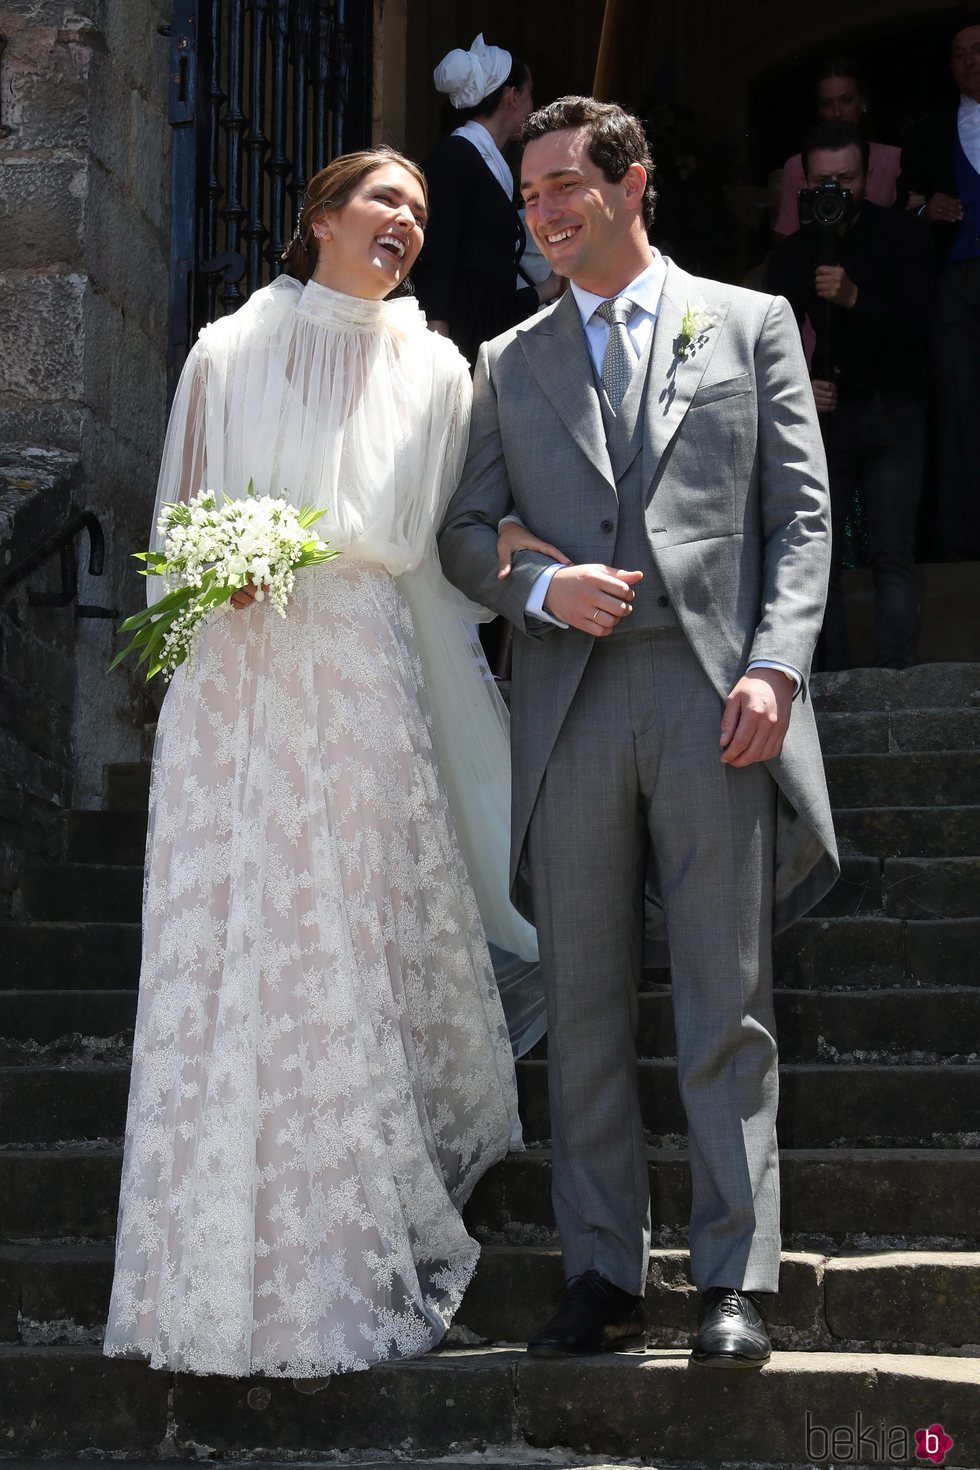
663	601
606	525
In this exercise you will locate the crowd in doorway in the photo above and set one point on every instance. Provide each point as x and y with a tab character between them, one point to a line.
876	245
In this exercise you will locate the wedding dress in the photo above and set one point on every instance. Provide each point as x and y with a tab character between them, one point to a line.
321	1069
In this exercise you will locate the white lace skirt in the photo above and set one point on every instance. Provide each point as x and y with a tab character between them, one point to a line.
321	1070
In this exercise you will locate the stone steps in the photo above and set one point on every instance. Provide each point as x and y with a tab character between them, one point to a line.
898	887
127	786
49	957
903	1301
859	1198
829	953
844	1105
919	778
878	1005
95	893
908	831
846	733
650	1406
105	836
66	1023
863	952
936	686
915	1025
119	837
872	952
853	1198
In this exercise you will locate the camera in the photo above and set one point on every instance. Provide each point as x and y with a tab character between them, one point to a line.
826	206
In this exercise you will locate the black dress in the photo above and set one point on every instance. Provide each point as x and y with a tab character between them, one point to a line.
466	274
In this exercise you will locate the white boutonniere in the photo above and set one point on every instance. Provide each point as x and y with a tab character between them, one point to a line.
696	323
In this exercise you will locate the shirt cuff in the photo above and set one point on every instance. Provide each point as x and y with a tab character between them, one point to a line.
534	607
512	519
768	663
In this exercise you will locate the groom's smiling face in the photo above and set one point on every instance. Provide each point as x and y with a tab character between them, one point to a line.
581	221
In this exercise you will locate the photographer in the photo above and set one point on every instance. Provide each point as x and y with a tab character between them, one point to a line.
863	275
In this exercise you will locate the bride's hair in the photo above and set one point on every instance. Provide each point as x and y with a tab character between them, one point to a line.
330	189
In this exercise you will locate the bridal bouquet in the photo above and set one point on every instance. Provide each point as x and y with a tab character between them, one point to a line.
211	550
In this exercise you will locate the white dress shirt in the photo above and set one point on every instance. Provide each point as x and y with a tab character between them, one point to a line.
644	292
968	127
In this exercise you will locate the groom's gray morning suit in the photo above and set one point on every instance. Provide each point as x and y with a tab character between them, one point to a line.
711	480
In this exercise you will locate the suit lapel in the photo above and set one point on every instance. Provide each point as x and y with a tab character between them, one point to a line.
558	356
673	379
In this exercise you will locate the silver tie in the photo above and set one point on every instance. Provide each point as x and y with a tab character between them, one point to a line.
618	359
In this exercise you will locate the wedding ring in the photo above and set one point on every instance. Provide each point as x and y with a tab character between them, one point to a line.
595	615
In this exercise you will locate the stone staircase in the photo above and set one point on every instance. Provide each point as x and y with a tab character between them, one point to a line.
877	1326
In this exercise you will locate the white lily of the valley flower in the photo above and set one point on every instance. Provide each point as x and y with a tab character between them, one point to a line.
696	323
210	550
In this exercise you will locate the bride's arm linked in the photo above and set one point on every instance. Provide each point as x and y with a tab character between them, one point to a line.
514	536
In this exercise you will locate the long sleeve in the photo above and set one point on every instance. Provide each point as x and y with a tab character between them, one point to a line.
794	499
184	465
450	204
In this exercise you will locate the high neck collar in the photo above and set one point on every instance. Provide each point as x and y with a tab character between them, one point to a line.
332	308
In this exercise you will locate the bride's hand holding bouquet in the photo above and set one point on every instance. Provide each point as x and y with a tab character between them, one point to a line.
218	553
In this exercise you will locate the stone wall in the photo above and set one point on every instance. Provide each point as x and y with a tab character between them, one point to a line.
84	219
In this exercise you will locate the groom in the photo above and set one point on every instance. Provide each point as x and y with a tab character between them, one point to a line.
660	431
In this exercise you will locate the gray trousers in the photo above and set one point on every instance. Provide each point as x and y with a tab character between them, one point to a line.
637	762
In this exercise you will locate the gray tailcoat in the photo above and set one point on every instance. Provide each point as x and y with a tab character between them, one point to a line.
737	518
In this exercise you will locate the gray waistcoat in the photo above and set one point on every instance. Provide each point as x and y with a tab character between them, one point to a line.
624	440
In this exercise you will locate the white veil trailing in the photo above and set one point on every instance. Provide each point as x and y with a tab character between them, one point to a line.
353	406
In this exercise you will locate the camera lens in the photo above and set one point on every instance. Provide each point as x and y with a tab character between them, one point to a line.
829	208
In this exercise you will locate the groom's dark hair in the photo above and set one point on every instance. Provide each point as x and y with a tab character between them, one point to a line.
616	139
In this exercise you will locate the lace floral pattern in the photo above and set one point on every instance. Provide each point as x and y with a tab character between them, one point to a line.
321	1069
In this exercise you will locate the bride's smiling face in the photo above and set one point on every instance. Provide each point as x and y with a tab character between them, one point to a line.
371	242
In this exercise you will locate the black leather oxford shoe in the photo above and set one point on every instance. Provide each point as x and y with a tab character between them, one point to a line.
594	1317
731	1333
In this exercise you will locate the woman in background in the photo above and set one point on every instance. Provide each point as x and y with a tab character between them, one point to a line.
467	280
841	96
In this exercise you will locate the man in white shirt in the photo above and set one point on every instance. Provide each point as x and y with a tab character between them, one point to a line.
660	431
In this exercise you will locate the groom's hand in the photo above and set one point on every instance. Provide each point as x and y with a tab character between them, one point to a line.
756	717
591	597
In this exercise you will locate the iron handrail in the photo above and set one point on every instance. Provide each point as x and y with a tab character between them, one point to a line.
62	542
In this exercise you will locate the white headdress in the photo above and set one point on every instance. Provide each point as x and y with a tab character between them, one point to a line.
469	76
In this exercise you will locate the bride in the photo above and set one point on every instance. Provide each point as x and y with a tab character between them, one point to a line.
322	1069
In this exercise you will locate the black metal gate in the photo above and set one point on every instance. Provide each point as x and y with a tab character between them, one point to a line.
263	93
